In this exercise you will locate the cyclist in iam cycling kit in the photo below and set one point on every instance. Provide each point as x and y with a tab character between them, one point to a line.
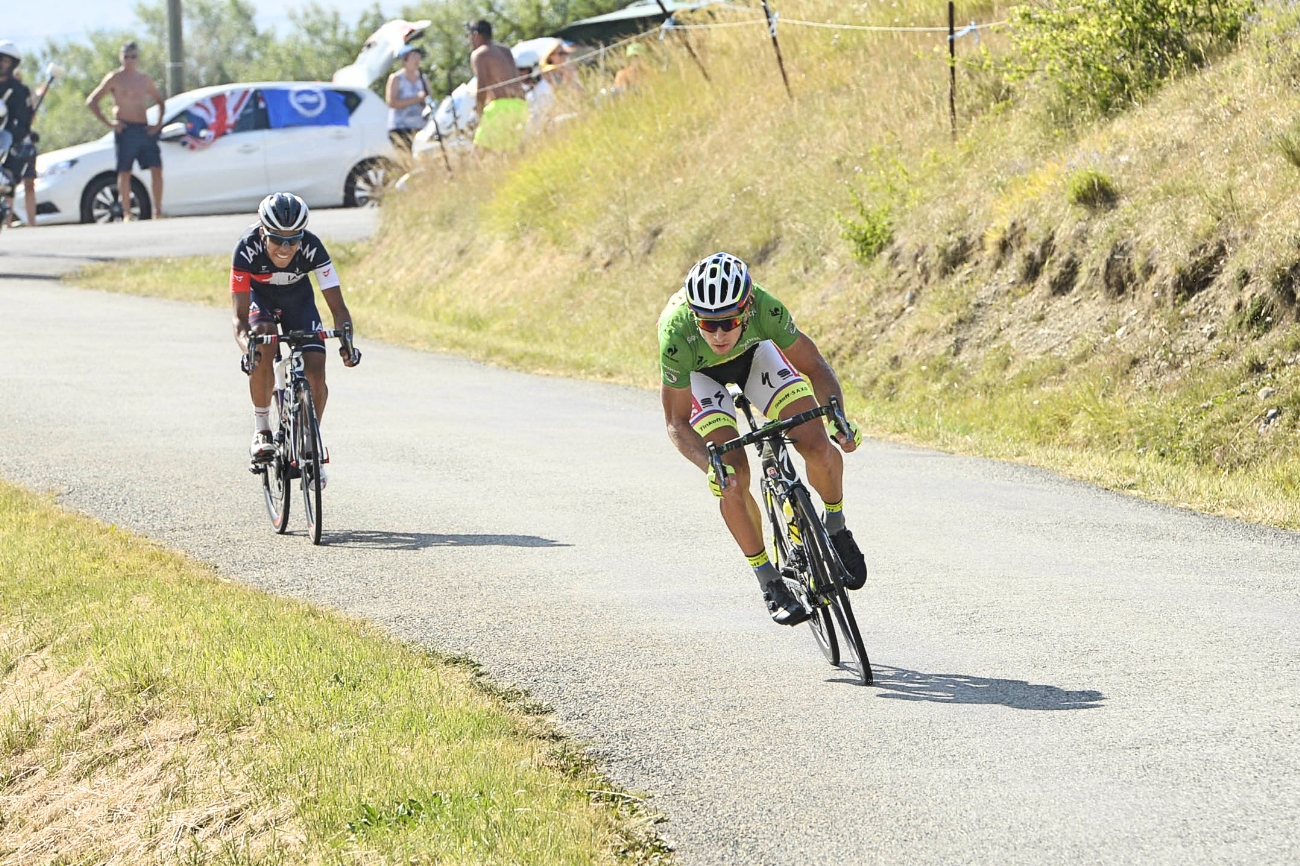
268	279
721	328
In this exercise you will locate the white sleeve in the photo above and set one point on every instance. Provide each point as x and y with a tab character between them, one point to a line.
327	277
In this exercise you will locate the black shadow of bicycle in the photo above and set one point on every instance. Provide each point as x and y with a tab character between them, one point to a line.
370	539
904	685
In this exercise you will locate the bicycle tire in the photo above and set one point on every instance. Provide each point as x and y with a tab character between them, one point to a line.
822	557
309	457
823	629
275	480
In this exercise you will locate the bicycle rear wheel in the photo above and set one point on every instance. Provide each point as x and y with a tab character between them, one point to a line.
275	478
826	568
309	458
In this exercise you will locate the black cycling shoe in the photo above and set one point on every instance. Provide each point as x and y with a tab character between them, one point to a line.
782	604
854	563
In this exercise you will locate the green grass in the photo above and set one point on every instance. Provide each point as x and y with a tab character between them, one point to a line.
152	709
1105	299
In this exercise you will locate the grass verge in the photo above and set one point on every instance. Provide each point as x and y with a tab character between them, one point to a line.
152	712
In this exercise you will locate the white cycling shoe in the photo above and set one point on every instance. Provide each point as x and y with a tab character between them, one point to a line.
262	448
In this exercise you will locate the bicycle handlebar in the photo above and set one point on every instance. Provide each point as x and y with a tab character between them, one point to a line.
295	338
774	430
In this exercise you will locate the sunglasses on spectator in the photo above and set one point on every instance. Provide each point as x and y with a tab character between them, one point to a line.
727	324
284	241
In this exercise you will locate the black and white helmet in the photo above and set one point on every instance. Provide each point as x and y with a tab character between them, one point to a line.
718	285
9	49
283	213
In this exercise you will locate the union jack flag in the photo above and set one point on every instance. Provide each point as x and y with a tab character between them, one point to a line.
211	118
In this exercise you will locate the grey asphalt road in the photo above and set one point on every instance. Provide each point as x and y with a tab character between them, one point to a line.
1065	675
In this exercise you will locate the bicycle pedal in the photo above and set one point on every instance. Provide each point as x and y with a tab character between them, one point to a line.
257	468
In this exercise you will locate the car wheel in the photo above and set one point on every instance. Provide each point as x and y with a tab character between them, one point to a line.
100	203
367	183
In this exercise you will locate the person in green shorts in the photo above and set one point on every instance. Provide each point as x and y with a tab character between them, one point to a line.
502	110
721	329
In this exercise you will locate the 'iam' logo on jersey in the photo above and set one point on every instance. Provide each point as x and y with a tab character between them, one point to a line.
307	101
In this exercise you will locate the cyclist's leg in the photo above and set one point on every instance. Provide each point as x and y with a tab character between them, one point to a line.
778	390
261	321
713	416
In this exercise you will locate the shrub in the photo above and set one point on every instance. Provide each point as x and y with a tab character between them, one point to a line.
871	232
1288	143
1091	189
1098	57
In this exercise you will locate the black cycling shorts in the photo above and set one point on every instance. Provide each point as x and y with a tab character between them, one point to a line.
294	306
135	144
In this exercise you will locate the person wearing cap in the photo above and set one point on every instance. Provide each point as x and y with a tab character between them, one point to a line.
631	76
502	110
405	93
17	98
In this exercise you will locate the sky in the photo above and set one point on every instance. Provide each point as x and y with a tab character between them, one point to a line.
64	19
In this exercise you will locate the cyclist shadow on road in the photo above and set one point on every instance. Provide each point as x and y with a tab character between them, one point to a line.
905	685
373	539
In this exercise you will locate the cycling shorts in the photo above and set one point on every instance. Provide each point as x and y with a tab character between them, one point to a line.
769	381
294	306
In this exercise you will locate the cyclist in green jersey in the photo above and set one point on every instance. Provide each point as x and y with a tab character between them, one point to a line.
721	328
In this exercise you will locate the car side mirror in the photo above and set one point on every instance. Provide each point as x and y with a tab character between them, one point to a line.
172	132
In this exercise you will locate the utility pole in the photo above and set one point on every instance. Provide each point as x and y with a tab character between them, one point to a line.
175	50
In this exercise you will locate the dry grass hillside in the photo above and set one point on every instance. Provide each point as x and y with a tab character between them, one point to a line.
1114	299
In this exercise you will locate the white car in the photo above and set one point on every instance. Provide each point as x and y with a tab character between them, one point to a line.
227	146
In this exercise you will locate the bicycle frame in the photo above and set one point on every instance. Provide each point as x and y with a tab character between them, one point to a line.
779	479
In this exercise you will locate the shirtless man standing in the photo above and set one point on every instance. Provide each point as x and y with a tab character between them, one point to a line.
502	111
135	139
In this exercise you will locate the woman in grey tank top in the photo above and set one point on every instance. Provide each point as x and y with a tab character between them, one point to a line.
405	95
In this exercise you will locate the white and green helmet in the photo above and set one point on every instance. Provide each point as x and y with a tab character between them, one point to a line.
718	286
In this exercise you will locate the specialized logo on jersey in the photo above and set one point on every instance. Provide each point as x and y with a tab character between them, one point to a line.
326	272
670	376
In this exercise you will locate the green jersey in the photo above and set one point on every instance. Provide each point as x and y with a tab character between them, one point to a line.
683	350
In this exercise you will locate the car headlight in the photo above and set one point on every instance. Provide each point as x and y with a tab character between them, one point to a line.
57	168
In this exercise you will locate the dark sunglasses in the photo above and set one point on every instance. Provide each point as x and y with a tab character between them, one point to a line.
729	324
282	241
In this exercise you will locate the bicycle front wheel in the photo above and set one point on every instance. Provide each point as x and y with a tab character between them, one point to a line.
823	628
826	571
275	479
309	460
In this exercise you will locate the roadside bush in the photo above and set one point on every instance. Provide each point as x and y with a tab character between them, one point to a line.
871	232
1098	57
1091	189
1288	143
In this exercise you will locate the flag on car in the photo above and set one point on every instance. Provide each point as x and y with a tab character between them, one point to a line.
305	105
209	119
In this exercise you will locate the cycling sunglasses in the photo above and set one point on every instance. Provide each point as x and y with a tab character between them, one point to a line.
727	324
283	240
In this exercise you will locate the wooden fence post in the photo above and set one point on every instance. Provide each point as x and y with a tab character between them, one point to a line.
771	30
952	67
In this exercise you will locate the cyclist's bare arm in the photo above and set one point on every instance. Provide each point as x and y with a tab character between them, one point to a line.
809	361
239	302
677	415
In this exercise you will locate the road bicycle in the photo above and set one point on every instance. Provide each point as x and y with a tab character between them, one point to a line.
805	556
296	430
